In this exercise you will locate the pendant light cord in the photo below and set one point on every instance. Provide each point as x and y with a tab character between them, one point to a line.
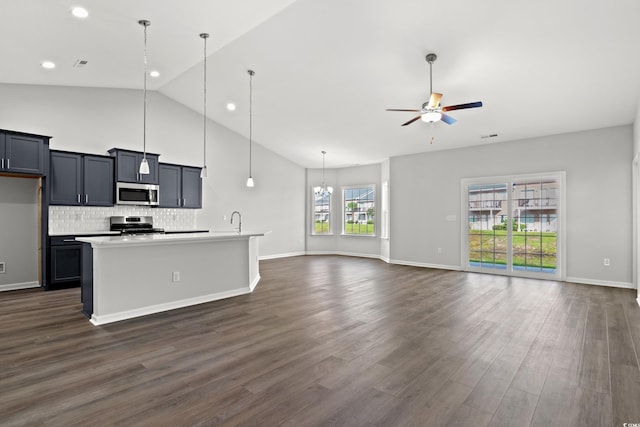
251	73
204	116
324	189
145	24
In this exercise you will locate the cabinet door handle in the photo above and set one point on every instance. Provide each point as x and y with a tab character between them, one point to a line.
86	199
184	201
2	167
8	163
78	198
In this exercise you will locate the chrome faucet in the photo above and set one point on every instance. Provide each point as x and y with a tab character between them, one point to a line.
239	223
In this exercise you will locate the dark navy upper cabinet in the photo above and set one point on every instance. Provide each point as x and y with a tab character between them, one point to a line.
97	178
180	186
128	165
81	179
22	153
191	187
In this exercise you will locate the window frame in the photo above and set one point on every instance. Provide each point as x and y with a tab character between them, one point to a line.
313	214
343	191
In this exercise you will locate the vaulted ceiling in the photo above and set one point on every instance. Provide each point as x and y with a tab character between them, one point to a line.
327	70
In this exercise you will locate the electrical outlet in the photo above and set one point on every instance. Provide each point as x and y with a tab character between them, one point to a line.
439	250
607	262
3	267
224	217
175	277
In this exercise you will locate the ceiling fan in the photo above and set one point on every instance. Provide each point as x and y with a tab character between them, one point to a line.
431	110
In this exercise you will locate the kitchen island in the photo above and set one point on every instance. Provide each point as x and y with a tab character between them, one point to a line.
131	276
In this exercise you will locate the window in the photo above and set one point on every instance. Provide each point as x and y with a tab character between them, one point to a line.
514	225
359	210
321	213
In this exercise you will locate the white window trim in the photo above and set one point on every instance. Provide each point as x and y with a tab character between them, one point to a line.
562	226
375	204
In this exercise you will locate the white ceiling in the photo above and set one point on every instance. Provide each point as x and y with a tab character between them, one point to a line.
327	70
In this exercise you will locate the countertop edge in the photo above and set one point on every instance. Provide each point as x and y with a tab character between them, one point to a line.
161	239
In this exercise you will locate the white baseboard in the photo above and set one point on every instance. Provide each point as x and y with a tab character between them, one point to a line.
152	309
352	254
18	286
253	284
426	265
287	255
625	285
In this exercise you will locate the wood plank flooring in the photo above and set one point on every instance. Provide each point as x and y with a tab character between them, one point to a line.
332	341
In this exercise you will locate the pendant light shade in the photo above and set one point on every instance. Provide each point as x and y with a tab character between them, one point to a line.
323	191
251	74
144	166
203	172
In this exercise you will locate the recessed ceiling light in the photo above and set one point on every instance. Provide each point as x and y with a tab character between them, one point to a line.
231	106
79	12
48	65
155	73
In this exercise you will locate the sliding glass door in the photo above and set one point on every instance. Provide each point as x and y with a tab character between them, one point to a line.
513	225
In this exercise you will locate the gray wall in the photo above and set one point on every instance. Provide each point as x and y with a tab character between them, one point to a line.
19	231
93	120
425	188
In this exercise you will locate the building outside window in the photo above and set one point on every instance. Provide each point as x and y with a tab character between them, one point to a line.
359	210
321	213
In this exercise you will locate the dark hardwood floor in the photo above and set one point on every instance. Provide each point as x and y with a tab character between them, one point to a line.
330	340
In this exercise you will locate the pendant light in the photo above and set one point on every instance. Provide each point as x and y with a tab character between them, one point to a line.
323	191
203	172
251	73
144	166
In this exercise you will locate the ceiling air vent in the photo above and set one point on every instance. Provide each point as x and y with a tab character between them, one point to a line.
80	63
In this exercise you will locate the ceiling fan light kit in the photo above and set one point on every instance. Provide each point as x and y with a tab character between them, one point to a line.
431	111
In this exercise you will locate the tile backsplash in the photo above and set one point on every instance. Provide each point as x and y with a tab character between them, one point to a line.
81	219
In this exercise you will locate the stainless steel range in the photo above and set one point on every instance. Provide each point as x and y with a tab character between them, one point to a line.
129	225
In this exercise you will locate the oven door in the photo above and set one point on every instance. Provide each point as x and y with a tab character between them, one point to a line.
136	194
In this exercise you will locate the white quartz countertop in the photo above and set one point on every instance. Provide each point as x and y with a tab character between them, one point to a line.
117	233
83	233
159	239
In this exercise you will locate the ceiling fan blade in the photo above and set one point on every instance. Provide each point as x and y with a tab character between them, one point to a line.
395	109
434	101
462	106
448	119
412	120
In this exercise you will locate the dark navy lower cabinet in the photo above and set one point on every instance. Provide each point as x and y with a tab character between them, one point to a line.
65	262
86	284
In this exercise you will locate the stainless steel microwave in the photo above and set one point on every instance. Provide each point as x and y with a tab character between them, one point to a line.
128	193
